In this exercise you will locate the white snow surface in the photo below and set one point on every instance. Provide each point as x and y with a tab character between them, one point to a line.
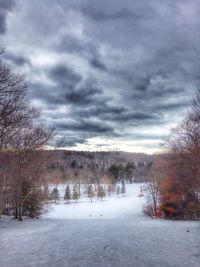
68	236
111	207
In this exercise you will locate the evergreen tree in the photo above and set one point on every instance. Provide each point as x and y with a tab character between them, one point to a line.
91	193
117	170
68	195
76	194
55	194
117	190
101	193
123	189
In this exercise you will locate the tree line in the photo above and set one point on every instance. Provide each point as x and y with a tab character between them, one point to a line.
99	191
67	167
174	184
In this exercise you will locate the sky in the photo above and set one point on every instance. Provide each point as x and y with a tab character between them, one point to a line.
107	75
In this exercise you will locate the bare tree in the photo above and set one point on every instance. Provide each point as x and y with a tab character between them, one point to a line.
15	109
21	140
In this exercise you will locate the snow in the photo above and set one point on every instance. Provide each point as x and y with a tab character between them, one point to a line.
122	237
110	208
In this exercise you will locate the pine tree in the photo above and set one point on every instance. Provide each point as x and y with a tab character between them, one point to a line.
55	194
123	189
101	193
68	195
117	190
76	194
91	193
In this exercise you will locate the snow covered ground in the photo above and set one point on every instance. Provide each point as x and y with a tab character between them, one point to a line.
111	207
121	237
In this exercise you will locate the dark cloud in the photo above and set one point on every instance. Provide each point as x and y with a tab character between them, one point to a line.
174	106
104	15
5	7
70	44
69	141
18	60
67	78
97	63
114	114
106	12
69	88
143	84
85	94
85	125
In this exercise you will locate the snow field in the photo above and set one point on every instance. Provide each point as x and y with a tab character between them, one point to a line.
111	207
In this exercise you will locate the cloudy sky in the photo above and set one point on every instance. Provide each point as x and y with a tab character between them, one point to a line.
107	75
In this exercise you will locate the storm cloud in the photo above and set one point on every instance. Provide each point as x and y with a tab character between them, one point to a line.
106	74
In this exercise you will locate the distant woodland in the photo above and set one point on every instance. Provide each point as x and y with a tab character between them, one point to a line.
93	167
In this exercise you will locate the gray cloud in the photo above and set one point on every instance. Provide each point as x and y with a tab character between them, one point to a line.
69	141
97	63
69	88
64	76
17	60
86	126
